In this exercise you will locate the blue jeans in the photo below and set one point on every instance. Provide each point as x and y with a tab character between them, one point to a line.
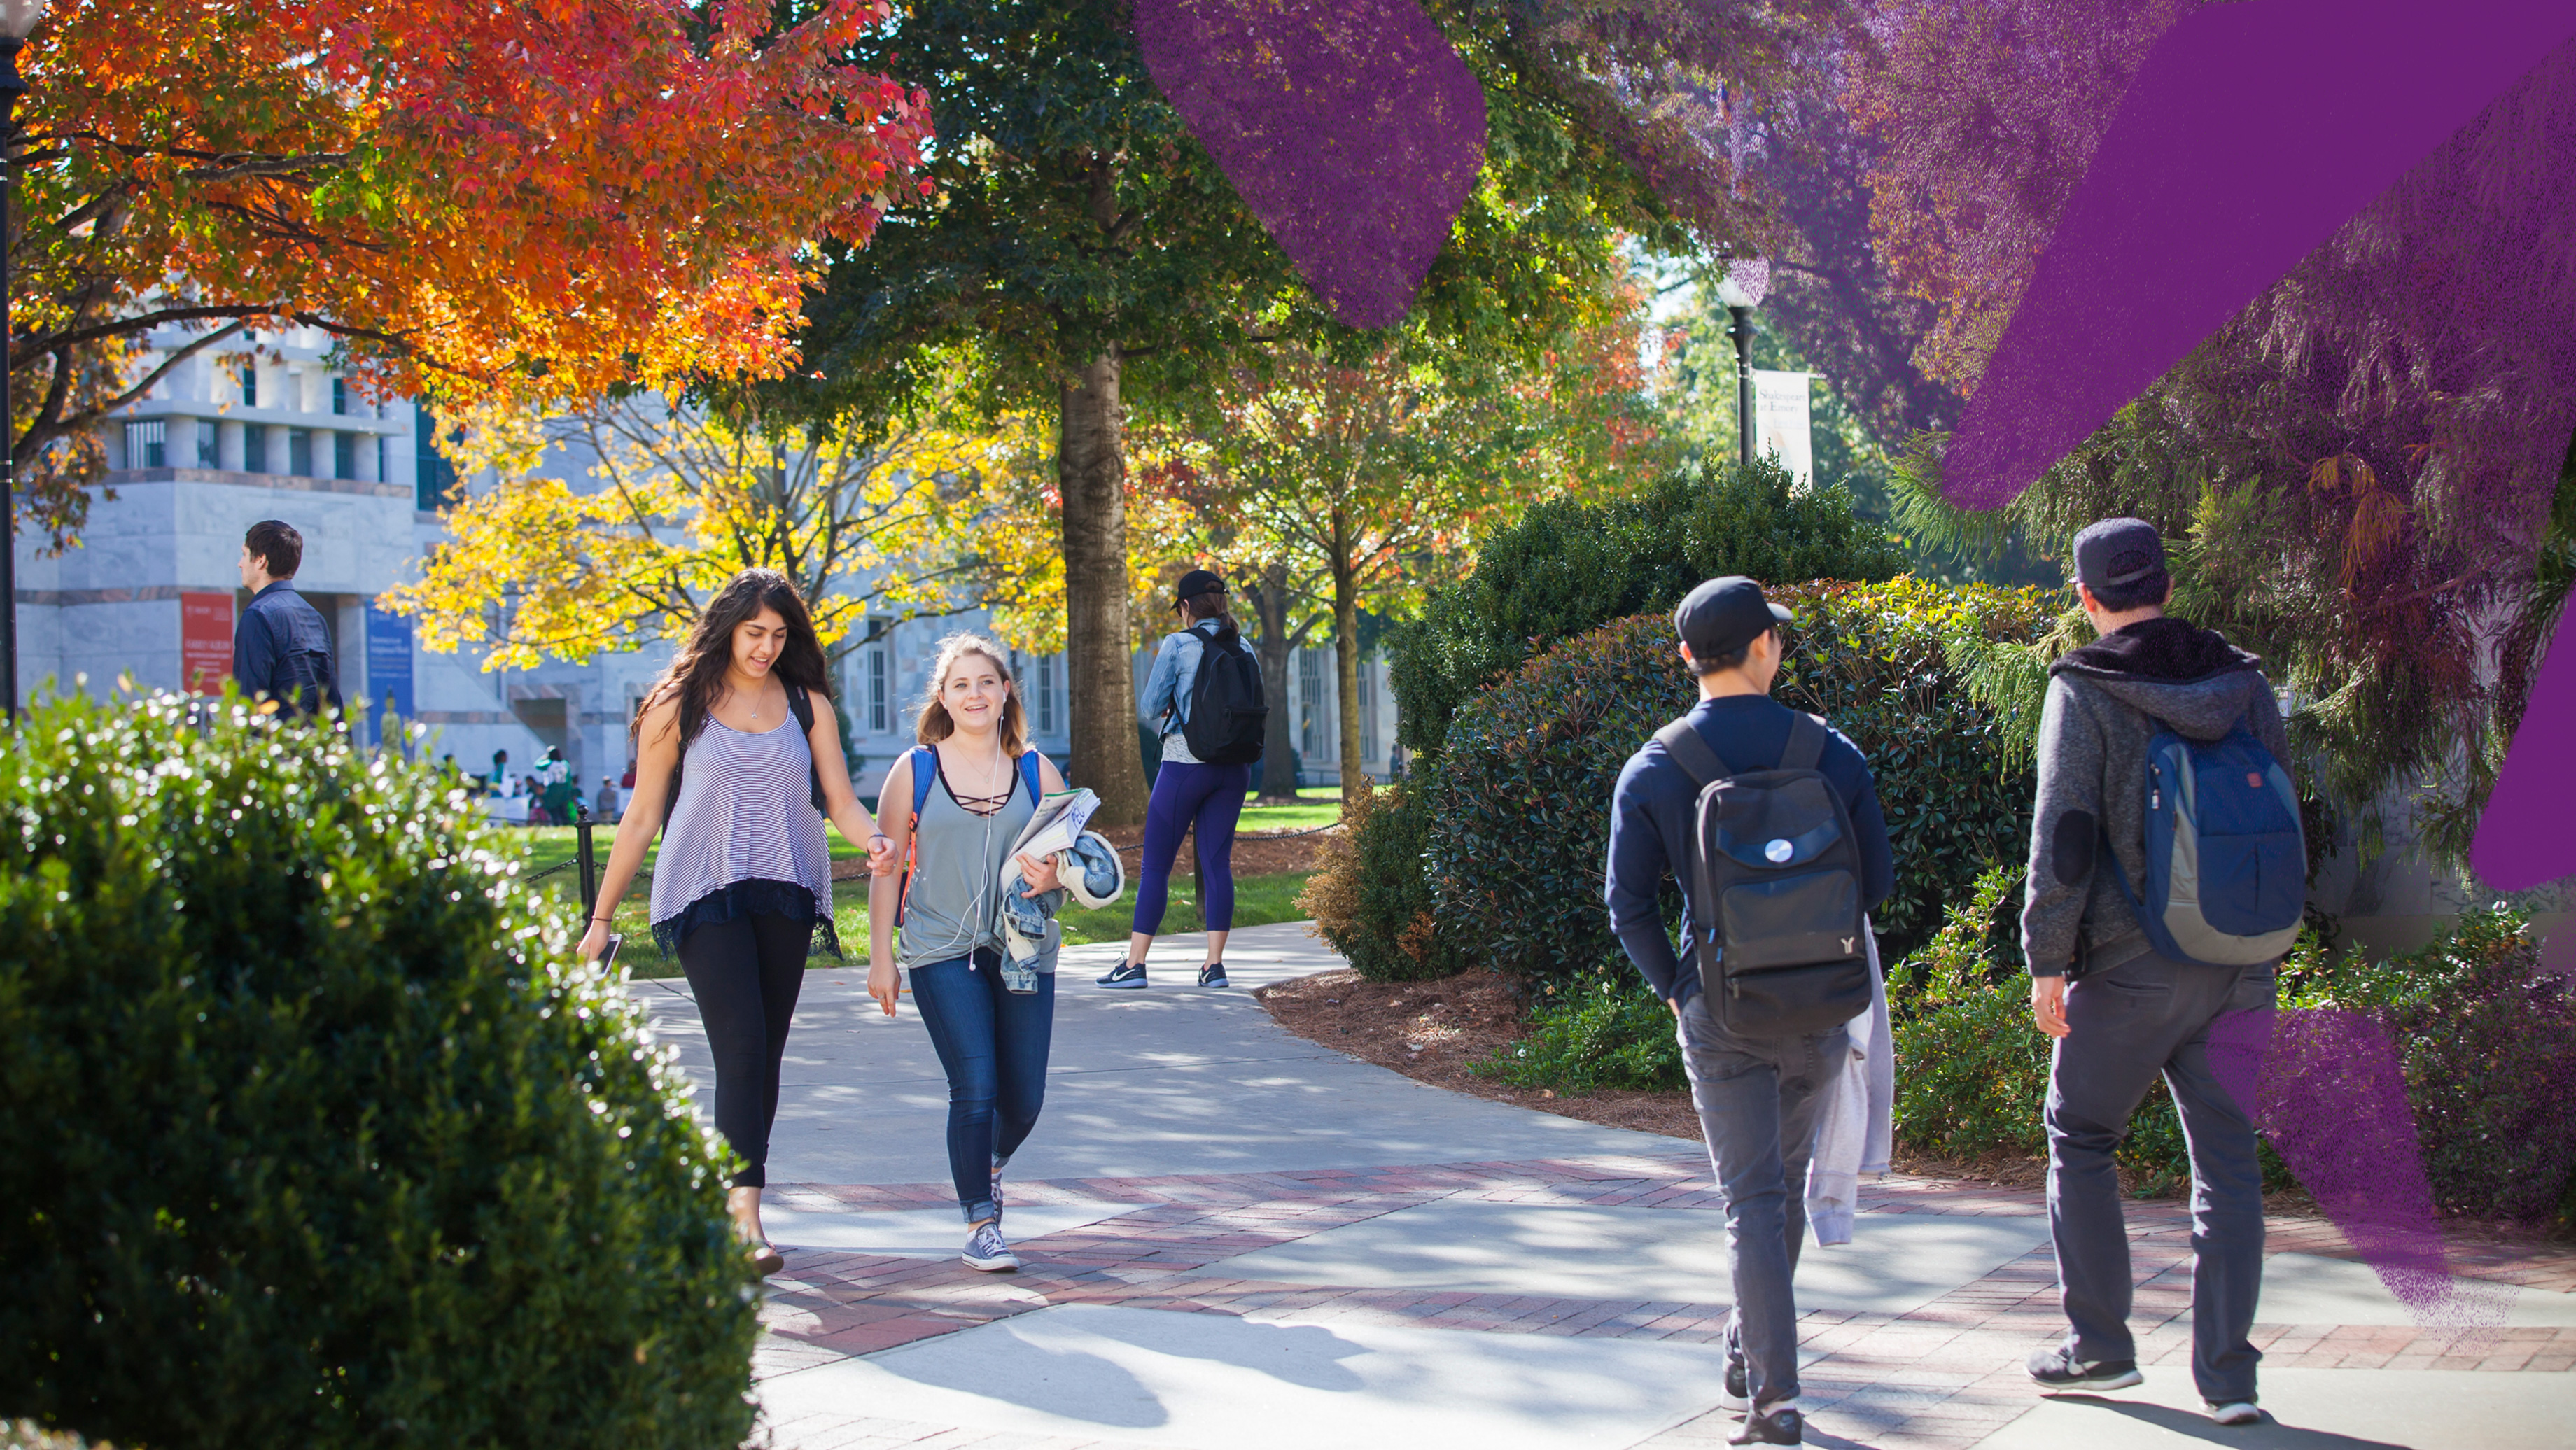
1206	800
1758	1100
993	1045
2126	1025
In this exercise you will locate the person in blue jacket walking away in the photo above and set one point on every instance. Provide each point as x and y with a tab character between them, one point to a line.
1189	794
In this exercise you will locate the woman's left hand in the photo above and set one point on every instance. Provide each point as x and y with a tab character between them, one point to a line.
881	854
1040	874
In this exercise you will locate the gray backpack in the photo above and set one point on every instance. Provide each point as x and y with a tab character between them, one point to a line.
1776	923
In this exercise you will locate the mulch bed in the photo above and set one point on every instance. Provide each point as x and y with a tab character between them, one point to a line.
1433	1031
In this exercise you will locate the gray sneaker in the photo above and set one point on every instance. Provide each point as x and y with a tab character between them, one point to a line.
986	1251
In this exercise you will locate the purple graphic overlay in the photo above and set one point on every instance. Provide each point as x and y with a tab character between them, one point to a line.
2524	838
2213	181
1349	127
2330	1097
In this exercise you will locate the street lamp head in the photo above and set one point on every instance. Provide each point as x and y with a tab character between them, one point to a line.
19	18
1740	284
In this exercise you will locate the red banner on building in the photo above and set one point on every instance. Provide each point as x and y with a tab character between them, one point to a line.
206	641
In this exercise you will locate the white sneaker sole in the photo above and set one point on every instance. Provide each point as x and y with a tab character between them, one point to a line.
1005	1264
2240	1413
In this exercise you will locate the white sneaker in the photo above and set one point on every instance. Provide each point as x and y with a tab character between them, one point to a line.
2236	1412
986	1251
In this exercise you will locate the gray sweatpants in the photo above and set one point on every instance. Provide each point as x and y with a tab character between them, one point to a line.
1759	1100
2148	1016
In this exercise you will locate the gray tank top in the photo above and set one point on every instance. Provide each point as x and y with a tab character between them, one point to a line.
745	813
956	874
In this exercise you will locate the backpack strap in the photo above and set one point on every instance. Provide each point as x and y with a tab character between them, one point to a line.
801	705
925	769
1029	773
1693	754
1806	747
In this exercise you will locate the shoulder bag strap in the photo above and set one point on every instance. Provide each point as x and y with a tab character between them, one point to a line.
1806	747
1693	753
801	705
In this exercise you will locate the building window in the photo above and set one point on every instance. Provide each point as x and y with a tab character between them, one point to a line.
208	452
433	477
146	445
880	690
250	385
255	448
1310	703
340	396
1368	709
299	452
344	455
1046	694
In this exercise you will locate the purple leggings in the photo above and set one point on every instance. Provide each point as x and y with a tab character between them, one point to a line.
1211	797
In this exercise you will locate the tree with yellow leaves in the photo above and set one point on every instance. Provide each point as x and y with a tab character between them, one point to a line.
676	499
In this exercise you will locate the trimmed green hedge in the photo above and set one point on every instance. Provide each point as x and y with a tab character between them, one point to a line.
317	1135
1369	897
1568	566
2486	1035
1519	803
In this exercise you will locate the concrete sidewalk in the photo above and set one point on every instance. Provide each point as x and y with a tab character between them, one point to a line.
1234	1239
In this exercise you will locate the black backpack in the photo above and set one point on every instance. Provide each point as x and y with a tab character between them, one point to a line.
1776	922
798	705
1227	708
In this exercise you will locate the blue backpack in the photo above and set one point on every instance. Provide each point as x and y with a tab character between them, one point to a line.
2227	863
925	773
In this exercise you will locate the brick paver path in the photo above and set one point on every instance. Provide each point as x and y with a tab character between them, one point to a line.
1941	1377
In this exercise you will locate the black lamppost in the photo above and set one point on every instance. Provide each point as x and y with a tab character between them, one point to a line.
1739	290
18	19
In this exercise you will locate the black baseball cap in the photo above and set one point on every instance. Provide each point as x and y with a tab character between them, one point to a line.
2114	552
1195	583
1724	615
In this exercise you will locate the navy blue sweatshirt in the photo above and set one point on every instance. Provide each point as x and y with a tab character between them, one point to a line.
282	650
1651	822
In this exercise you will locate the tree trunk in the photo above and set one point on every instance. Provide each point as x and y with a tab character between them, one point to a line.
1091	471
1278	742
1346	657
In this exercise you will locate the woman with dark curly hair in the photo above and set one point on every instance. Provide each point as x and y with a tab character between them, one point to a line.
739	762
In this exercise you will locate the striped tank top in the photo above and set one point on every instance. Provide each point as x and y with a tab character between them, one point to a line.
743	837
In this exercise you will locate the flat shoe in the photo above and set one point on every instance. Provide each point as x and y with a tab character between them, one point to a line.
765	1260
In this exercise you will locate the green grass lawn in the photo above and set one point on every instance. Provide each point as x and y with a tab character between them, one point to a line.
1258	900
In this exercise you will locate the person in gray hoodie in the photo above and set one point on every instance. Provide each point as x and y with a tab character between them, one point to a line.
2120	1012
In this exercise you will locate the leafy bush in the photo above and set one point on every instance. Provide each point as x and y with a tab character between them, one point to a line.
2486	1036
1608	1033
1519	804
317	1136
1568	566
1369	896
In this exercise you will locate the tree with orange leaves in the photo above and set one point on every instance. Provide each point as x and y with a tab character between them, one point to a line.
531	202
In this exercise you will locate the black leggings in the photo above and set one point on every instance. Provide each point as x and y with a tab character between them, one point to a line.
745	974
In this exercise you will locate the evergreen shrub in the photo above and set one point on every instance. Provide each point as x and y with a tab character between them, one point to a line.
2486	1036
1519	803
1609	1032
1369	896
1570	565
318	1136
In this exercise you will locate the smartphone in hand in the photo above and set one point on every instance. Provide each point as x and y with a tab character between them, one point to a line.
608	956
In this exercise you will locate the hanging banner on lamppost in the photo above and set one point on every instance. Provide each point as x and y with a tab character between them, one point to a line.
1780	423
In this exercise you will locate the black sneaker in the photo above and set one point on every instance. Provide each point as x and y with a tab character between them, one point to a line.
1737	1391
1126	974
1213	975
1771	1427
2058	1369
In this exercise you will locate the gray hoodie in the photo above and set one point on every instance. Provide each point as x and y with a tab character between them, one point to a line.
2105	702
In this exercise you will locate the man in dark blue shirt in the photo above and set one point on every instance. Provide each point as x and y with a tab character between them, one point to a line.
281	649
1758	1098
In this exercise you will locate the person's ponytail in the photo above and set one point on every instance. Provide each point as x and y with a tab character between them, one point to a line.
1226	632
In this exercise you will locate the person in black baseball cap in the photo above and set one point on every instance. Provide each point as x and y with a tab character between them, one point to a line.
1199	798
2138	1015
1760	1099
